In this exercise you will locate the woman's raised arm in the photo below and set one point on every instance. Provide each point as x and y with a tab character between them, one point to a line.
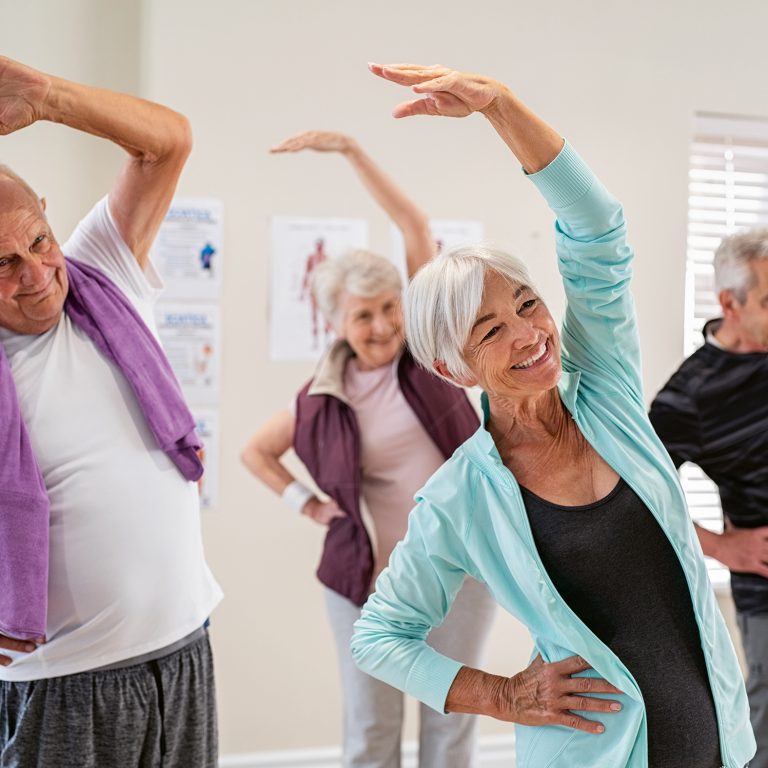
405	214
448	93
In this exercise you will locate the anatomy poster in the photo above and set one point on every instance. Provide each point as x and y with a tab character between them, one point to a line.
187	250
191	336
299	245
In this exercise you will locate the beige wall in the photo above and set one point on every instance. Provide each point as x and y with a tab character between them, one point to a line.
93	41
619	79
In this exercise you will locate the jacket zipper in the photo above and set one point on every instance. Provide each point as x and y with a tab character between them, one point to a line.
715	699
579	622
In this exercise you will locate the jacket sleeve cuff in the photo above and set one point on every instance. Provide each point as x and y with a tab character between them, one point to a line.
565	180
431	678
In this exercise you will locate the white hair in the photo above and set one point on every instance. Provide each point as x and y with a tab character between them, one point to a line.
443	299
358	272
732	260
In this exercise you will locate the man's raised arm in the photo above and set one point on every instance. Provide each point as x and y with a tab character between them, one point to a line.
157	140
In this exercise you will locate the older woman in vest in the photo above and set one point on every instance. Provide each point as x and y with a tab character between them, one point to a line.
564	502
371	426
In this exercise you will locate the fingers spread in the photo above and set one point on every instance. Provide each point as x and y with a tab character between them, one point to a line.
581	724
25	646
592	685
443	83
409	74
591	704
571	665
416	107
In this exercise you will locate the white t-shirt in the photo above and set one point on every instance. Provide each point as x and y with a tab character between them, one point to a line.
127	570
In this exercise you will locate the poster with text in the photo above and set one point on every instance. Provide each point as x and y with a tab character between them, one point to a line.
187	250
448	234
299	245
191	336
207	425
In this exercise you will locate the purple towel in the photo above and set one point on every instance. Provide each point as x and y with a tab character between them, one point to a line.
96	306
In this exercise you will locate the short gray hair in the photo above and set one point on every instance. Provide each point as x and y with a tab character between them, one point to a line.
358	272
443	299
733	257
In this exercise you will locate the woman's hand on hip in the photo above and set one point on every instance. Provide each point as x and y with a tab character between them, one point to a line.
548	694
322	512
447	92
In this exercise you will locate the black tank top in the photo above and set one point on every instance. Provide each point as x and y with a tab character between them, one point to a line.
614	566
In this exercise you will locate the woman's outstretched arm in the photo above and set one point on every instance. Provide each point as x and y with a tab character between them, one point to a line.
404	213
449	93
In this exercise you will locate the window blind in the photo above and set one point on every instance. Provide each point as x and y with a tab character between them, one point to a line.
727	192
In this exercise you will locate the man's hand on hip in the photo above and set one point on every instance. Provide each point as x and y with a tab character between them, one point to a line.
23	646
744	550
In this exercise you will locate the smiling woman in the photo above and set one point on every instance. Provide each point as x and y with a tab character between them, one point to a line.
371	427
564	503
360	294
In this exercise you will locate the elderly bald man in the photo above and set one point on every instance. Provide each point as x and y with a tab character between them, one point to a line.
104	589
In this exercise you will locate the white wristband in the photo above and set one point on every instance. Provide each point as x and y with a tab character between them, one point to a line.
296	495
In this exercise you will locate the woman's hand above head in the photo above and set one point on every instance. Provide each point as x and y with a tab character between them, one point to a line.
542	694
322	512
447	92
320	141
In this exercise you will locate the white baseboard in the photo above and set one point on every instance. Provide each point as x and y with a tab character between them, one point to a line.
494	752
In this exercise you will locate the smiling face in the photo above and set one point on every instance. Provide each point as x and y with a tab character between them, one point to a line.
373	327
513	350
33	279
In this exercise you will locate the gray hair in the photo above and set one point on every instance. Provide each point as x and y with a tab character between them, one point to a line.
358	272
733	257
443	299
8	173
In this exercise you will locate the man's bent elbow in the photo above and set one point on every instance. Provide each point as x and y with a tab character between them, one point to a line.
183	139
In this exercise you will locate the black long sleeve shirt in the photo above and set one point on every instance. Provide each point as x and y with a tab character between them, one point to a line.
714	412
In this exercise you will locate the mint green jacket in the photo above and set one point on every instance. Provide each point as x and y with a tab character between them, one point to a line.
470	519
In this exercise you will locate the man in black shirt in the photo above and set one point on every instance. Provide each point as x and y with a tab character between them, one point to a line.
714	413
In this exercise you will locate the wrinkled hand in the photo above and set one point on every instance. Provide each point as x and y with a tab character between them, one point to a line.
547	694
449	93
320	141
744	550
322	512
23	92
11	644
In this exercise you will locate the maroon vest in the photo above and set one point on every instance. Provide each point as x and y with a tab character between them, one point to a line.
327	440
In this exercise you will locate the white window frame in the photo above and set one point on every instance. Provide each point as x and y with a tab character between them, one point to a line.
727	192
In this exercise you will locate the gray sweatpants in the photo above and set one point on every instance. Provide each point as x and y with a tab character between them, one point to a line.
373	711
159	714
754	637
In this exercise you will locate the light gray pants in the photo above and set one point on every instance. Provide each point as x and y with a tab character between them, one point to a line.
754	637
373	711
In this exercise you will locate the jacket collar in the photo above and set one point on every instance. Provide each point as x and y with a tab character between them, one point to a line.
329	376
